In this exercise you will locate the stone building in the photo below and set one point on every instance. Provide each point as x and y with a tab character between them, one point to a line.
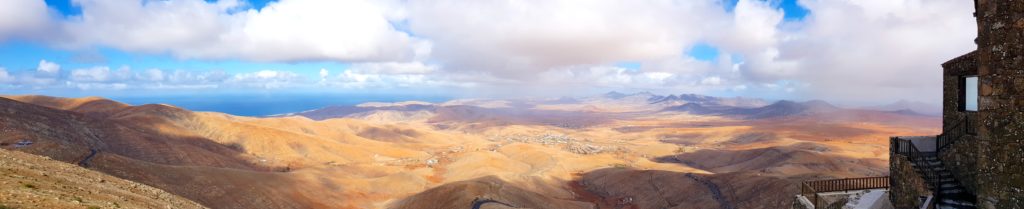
978	160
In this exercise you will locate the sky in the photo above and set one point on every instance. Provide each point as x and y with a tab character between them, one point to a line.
857	52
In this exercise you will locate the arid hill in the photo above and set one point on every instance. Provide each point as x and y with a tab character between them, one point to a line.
31	181
599	152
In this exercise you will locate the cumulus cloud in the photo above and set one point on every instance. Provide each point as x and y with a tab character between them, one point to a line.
713	80
23	19
392	75
100	74
99	86
266	79
106	78
843	49
187	77
46	73
150	75
521	38
48	68
289	30
874	49
4	76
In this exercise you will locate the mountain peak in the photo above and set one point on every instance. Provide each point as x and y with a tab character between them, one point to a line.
614	95
783	102
915	106
819	104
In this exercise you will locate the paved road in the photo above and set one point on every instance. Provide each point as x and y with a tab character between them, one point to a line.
715	192
477	203
85	162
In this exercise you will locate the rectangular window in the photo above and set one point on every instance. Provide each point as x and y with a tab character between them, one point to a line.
970	93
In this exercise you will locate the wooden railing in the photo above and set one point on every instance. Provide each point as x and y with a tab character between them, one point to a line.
845	185
812	189
808	192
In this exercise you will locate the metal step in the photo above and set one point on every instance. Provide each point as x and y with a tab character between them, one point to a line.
938	206
950	186
945	181
952	191
955	203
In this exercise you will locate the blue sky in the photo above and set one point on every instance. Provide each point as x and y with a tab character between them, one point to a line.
755	48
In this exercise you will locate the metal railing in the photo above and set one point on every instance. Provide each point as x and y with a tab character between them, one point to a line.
812	189
928	172
900	146
965	126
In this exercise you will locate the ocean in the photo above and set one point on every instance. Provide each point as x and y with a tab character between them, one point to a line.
267	104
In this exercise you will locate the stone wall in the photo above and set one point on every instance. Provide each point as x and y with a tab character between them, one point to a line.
907	185
1000	55
961	158
953	71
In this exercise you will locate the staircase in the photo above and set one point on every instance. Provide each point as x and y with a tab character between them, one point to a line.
948	193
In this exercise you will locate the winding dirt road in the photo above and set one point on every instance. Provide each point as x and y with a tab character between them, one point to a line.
85	162
715	191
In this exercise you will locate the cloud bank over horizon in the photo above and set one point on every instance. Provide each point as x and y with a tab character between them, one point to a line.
855	51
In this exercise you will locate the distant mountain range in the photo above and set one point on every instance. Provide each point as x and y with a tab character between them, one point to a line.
740	107
909	107
681	99
707	100
777	109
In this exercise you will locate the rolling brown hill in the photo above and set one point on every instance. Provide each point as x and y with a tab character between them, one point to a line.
135	149
457	155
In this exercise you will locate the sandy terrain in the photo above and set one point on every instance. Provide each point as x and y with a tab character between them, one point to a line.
575	155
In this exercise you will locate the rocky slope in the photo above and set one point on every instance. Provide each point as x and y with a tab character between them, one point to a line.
31	181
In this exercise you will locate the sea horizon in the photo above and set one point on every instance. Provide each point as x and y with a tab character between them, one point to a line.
268	104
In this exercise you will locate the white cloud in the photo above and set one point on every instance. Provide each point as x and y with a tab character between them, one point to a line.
713	80
150	75
287	30
4	76
48	68
393	68
520	38
23	19
875	50
857	50
187	77
100	74
751	29
392	75
99	86
266	79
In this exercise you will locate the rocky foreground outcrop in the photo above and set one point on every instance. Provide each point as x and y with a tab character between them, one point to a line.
31	181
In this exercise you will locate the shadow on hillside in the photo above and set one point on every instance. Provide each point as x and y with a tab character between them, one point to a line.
631	188
799	159
487	117
480	193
